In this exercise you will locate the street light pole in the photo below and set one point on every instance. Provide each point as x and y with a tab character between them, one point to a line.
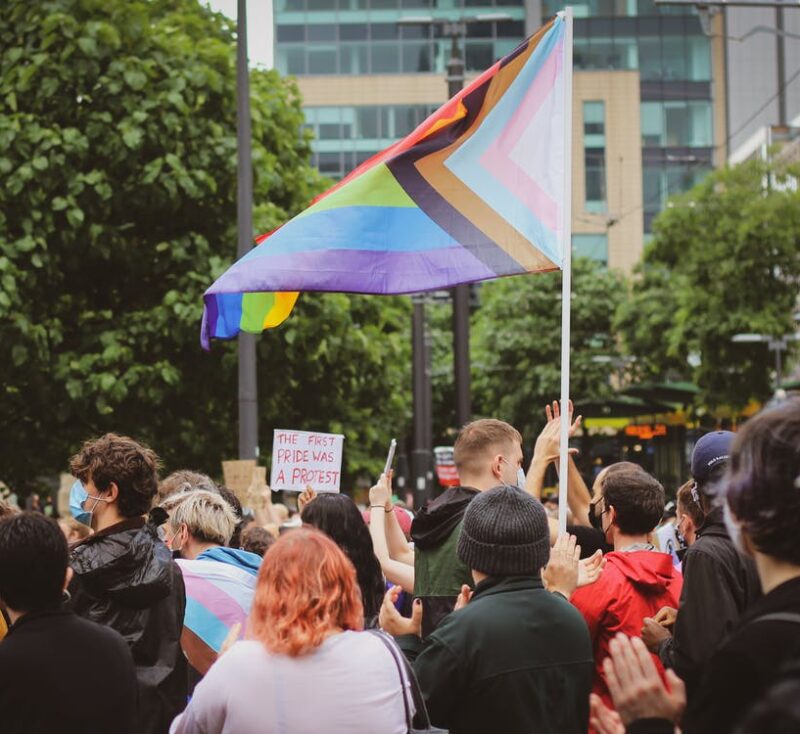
460	294
421	388
248	395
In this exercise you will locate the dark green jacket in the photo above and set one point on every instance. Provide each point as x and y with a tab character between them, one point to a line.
516	659
438	574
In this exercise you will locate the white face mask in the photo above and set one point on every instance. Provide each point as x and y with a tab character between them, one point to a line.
734	529
520	475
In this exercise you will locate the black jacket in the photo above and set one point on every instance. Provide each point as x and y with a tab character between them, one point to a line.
438	573
60	673
718	585
125	578
747	664
516	659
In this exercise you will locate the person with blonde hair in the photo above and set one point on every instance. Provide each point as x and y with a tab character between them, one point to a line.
487	453
219	581
304	635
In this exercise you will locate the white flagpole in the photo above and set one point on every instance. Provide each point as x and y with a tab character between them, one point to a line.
566	276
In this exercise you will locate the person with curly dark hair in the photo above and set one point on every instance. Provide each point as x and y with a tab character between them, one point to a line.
338	517
124	575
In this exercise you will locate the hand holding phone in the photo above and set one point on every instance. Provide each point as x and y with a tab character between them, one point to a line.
390	457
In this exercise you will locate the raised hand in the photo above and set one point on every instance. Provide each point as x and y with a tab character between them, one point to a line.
258	492
305	497
549	440
561	572
636	687
381	493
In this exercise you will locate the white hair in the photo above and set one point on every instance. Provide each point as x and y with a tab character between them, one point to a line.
207	516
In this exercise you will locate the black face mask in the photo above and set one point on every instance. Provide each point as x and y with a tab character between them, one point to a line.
594	519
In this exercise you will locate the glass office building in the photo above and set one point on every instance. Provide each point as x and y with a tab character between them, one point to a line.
368	80
668	48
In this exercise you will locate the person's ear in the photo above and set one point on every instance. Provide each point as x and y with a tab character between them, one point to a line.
497	466
112	492
67	577
612	515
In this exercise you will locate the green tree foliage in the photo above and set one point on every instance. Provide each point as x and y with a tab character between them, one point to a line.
517	343
118	209
725	259
644	320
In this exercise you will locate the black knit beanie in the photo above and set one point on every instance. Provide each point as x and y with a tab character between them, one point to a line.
505	533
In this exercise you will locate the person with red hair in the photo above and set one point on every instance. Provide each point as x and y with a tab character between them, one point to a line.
305	634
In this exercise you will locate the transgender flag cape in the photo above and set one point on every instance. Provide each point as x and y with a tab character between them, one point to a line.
217	596
477	191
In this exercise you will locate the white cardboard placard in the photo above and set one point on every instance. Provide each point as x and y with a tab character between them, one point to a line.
306	458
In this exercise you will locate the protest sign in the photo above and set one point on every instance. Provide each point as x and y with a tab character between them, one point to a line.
303	458
446	471
238	476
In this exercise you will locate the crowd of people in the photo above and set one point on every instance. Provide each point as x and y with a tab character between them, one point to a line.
168	606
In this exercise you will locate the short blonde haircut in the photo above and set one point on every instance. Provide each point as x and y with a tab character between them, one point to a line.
207	516
478	441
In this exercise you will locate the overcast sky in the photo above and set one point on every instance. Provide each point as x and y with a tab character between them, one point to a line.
259	28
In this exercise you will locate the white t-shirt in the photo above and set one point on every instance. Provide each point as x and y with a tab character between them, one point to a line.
348	685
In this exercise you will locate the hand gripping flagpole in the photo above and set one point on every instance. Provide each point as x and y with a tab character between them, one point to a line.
566	277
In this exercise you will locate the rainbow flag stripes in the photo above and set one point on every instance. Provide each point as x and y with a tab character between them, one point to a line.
476	192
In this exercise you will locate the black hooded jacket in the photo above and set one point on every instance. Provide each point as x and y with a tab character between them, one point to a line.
719	584
438	574
125	578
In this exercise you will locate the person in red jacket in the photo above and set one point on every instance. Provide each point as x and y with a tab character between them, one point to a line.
637	579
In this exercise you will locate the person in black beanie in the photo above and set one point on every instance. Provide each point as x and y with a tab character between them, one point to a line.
513	656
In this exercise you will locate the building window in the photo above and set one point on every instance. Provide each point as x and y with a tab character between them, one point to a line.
677	124
384	46
593	246
594	149
344	137
660	181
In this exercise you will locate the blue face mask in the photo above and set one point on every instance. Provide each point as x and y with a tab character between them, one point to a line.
77	496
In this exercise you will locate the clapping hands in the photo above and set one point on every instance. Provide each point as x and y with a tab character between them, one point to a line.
636	686
393	622
562	570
